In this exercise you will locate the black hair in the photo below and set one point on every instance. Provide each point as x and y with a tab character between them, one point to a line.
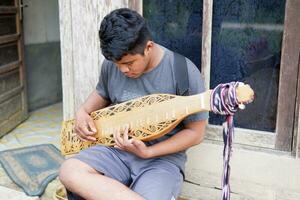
122	32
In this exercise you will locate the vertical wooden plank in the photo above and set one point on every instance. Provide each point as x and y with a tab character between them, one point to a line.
87	58
296	135
85	48
66	46
136	5
21	60
206	41
288	76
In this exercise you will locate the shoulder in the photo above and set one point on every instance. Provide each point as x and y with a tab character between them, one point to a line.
107	63
108	66
192	68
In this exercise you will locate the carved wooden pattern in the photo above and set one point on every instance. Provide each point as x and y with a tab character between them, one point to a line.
148	117
70	143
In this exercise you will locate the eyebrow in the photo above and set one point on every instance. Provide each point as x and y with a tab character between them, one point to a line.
128	62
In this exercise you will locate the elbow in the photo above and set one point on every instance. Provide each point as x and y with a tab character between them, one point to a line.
199	140
197	131
199	137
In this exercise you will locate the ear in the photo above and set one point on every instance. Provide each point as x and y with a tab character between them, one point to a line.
149	47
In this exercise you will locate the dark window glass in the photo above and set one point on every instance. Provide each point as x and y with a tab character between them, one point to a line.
177	25
246	46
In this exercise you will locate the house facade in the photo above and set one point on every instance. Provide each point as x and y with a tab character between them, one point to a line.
257	42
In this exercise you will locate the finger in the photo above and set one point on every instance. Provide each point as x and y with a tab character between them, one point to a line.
117	147
86	138
118	138
81	138
125	135
136	143
85	128
85	134
78	133
92	127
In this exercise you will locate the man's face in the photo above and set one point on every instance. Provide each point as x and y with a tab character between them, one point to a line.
133	66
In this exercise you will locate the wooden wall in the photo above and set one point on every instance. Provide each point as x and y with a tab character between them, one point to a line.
80	48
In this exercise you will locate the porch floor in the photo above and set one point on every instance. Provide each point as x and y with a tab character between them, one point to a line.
42	126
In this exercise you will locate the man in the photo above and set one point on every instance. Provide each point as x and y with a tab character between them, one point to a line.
134	66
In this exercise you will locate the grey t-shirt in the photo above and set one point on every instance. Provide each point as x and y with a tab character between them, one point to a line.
114	86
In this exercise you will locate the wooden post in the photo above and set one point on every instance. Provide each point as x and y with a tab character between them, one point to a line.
288	77
206	41
66	48
296	135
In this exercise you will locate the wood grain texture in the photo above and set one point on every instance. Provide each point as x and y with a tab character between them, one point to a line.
13	98
206	41
22	68
85	44
288	76
296	134
66	46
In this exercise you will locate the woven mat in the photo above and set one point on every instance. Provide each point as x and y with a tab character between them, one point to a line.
32	168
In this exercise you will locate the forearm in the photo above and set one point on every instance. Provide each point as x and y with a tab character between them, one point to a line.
181	141
93	102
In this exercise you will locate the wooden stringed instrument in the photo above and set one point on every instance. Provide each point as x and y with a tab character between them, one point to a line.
148	117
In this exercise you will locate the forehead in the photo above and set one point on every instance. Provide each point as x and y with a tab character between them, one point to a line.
129	58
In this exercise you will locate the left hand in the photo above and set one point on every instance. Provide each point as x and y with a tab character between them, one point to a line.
134	146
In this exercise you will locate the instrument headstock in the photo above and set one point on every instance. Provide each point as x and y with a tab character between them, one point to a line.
245	94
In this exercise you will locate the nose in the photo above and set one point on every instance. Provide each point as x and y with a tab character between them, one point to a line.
124	69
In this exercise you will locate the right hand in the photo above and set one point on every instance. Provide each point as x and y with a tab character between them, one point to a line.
84	126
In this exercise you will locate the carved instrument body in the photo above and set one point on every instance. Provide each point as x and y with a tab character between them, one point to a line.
148	117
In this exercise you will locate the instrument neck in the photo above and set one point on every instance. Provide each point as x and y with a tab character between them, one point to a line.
199	102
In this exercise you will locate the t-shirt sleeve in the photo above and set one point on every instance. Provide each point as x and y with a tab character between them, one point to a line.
102	85
196	86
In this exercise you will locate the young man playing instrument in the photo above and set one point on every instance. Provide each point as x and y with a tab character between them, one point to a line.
135	66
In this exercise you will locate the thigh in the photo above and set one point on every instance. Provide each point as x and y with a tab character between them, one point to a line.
159	182
106	161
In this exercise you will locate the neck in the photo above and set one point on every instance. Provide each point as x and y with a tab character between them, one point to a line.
156	56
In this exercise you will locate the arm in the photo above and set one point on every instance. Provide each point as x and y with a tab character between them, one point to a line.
84	125
93	102
193	134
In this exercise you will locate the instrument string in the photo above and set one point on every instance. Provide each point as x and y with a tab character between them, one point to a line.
224	102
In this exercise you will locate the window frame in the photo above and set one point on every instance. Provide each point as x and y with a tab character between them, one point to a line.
287	127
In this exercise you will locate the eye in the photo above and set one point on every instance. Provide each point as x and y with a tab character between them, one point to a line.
129	65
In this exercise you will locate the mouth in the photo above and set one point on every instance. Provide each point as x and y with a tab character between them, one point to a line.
130	75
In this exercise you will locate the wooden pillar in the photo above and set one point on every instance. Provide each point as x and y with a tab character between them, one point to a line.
206	41
288	77
80	47
296	134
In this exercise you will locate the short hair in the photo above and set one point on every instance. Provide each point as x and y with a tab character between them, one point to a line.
122	32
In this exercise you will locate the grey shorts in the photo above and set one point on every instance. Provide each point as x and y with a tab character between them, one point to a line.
154	179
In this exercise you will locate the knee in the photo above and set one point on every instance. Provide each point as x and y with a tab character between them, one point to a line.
68	171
